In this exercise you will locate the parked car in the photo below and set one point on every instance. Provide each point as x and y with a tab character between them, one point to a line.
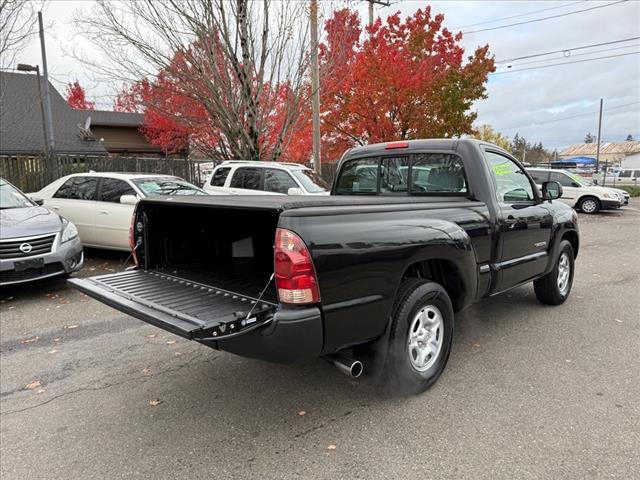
101	204
622	176
240	177
578	192
35	243
365	278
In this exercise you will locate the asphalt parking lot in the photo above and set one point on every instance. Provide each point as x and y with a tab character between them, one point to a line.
530	391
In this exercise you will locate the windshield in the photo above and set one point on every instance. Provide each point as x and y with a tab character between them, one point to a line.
166	186
311	181
11	197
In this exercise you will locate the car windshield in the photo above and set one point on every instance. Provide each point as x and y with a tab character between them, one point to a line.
166	186
311	181
11	197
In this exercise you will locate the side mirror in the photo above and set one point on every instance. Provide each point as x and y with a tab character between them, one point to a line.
38	201
295	191
551	190
128	199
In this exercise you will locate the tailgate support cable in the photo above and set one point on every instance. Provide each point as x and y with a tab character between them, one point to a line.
260	296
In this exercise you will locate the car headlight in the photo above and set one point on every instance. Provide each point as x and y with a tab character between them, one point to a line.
606	195
69	232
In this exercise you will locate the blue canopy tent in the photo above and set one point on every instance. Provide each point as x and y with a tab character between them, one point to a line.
575	161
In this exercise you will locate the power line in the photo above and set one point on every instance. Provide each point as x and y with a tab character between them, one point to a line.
567	50
545	18
634	45
564	63
570	117
517	16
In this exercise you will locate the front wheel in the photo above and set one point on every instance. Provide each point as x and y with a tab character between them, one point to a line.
589	205
554	288
420	337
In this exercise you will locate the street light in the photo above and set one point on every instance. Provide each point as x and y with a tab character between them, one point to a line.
23	67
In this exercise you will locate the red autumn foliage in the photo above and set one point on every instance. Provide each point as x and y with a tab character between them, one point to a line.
401	80
76	97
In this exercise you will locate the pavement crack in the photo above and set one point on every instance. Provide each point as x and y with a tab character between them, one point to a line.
106	386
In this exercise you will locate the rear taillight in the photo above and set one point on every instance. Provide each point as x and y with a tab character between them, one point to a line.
132	238
296	279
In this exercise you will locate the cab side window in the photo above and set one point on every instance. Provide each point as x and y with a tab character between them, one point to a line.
512	184
219	176
539	176
563	179
112	189
278	181
247	177
78	188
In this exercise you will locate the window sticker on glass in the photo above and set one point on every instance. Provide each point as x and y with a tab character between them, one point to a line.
502	168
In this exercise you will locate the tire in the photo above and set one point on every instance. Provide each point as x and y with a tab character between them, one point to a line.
550	289
589	205
422	310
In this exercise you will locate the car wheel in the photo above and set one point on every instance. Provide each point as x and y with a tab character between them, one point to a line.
554	288
419	338
589	205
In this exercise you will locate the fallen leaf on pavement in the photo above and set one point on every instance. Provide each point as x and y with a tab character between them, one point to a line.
32	385
302	413
146	371
30	340
69	327
56	339
171	342
42	390
476	344
331	447
52	351
11	307
151	335
155	402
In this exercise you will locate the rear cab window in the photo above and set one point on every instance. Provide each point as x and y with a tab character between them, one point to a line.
428	173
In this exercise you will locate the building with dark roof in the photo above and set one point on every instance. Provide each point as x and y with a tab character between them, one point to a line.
21	129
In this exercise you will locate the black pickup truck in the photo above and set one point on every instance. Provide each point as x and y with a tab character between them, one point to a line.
369	277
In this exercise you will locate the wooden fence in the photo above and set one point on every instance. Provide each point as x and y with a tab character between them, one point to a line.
31	173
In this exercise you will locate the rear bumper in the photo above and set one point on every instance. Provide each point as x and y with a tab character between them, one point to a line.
293	335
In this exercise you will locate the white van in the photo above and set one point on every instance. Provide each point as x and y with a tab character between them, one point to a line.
578	192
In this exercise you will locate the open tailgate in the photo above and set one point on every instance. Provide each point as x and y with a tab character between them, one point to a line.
187	308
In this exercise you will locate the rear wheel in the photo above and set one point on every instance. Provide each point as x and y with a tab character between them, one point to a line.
420	337
589	205
554	288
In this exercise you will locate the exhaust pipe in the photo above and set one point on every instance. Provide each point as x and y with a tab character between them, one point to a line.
350	367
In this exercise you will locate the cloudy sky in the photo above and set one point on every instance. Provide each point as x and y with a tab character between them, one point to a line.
556	105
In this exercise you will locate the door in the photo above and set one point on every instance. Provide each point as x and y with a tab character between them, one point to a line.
570	188
75	200
112	217
524	224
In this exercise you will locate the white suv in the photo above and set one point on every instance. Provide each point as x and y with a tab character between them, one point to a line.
241	177
578	192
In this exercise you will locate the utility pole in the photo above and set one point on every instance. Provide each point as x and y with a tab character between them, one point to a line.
315	87
598	147
384	3
47	101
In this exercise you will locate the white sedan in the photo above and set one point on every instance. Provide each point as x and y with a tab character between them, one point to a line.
101	204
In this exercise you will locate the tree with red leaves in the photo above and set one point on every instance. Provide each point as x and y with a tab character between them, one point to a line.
405	80
76	97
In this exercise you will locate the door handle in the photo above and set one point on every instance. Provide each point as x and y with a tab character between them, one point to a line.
104	212
54	207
